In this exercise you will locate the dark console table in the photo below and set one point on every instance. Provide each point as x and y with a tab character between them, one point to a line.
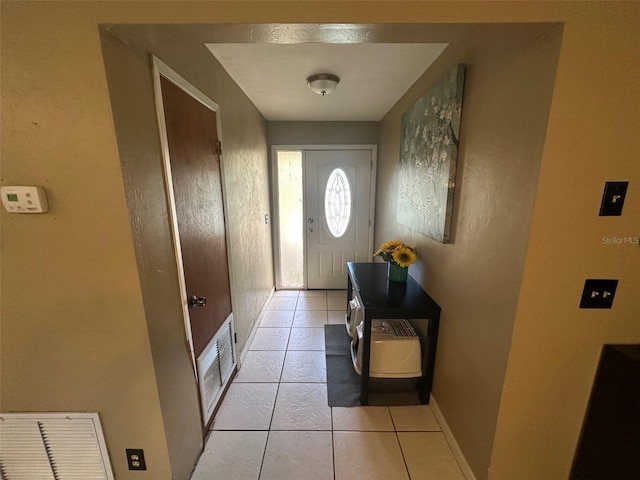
609	446
382	299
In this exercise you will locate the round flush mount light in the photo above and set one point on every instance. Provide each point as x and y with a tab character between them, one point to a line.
323	83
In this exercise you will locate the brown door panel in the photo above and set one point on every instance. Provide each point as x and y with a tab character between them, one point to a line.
196	177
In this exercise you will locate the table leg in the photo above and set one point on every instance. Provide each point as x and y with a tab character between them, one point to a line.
430	354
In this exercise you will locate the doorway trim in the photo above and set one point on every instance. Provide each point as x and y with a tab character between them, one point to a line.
275	199
162	69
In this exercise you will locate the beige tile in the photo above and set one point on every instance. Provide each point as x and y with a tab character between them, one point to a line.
302	406
246	406
428	456
415	418
312	293
306	339
304	367
270	339
368	455
286	293
362	419
236	455
312	303
282	303
297	455
310	318
337	303
335	317
337	293
261	367
277	318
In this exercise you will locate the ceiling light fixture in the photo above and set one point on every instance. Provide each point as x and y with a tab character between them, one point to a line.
323	83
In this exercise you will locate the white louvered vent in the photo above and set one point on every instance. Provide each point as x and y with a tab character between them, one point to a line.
215	365
53	446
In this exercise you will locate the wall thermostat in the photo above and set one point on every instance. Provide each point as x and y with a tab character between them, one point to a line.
24	199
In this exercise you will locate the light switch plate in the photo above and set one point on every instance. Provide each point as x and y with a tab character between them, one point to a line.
598	293
613	198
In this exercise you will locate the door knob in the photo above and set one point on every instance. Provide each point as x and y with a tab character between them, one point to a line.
309	220
197	301
310	230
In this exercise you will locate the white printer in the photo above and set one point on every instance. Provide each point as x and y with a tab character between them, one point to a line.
395	349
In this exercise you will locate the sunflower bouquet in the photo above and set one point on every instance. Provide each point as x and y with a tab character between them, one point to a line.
396	253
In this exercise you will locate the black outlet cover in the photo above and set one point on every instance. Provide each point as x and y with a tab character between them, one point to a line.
613	198
598	293
135	459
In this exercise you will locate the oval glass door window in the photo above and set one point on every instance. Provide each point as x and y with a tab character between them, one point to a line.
337	202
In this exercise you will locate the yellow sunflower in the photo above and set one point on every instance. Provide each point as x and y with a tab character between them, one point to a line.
404	256
388	247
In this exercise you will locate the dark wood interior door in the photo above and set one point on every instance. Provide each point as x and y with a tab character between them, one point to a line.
197	185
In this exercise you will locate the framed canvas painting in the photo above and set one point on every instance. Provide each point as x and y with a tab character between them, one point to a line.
430	135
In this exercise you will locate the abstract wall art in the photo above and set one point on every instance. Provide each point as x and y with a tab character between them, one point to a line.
430	136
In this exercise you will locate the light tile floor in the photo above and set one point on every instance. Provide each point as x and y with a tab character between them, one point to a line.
274	423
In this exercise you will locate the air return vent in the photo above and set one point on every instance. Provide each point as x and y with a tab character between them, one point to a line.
215	366
53	446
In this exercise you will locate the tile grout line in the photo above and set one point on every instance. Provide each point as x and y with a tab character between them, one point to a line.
406	465
286	352
264	452
397	432
266	443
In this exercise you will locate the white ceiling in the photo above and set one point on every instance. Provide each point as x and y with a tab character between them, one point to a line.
373	76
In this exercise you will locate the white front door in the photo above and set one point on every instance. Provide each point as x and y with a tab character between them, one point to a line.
338	214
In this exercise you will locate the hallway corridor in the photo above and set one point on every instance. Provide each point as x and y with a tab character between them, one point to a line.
274	423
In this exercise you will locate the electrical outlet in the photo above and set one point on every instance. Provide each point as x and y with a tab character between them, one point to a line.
598	293
613	198
135	459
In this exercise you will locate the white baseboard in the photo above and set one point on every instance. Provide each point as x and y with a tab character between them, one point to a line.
453	444
245	350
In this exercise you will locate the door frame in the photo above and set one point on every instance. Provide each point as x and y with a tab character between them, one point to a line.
275	199
162	69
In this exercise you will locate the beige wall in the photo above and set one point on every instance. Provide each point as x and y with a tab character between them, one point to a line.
74	336
322	133
74	330
591	138
132	100
476	278
104	324
244	163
